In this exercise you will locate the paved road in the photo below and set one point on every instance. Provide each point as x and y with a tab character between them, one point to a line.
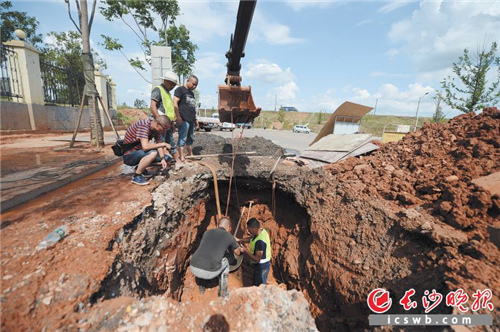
284	138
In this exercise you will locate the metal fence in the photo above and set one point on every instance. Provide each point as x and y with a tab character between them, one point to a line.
62	86
10	84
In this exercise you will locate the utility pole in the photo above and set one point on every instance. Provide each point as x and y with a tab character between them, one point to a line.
416	115
375	109
275	102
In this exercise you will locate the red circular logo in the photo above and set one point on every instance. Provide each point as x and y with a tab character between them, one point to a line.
379	301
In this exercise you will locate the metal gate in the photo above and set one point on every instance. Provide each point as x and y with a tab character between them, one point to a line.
10	84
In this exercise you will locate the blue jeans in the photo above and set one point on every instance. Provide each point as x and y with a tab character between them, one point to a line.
186	133
260	273
134	157
168	137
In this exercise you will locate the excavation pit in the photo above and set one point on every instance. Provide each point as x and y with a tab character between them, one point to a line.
142	271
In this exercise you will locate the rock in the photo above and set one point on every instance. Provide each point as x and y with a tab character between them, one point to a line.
47	300
7	277
144	319
432	228
390	168
357	261
451	178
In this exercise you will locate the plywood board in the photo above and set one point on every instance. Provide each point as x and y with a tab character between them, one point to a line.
335	156
344	143
346	109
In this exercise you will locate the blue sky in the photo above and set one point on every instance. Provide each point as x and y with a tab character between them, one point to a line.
313	55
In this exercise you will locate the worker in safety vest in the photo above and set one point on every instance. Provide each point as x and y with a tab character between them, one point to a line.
260	251
162	104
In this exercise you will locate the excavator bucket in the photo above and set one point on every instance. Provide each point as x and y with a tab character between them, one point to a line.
236	104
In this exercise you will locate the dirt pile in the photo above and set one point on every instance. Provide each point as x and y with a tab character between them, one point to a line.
211	144
434	168
409	216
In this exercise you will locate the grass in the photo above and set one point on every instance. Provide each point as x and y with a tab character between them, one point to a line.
371	124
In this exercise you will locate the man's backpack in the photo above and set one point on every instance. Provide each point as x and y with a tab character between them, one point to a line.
120	147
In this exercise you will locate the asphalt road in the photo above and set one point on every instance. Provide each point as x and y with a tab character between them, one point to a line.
284	138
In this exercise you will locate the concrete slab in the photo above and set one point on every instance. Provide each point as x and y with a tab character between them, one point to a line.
34	164
20	187
341	143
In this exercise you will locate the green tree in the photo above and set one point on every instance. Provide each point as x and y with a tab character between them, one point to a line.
140	16
138	103
321	116
438	115
471	91
65	50
281	114
11	20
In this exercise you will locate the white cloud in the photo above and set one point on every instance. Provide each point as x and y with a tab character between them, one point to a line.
364	22
274	33
392	52
389	7
222	19
279	34
269	72
286	93
210	65
208	19
437	33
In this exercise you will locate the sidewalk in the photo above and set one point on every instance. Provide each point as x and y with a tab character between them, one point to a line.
32	165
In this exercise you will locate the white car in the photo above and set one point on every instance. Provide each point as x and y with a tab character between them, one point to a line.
227	125
301	129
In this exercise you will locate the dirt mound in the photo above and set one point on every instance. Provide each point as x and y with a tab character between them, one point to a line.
409	216
434	168
212	144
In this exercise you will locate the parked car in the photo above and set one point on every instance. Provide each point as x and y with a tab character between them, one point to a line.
290	109
208	123
301	129
227	125
245	125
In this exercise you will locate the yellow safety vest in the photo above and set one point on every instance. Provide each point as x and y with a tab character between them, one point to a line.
264	236
168	104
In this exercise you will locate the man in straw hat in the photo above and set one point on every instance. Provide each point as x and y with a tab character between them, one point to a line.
162	104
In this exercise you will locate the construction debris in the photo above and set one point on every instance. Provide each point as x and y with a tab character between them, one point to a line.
333	148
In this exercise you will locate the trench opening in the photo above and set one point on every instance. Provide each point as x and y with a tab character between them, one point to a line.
289	230
163	267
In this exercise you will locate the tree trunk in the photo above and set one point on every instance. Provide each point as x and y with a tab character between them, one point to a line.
90	90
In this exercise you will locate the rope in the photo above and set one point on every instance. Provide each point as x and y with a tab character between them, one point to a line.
231	172
274	197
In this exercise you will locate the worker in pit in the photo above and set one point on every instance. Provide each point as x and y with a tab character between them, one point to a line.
144	152
162	104
260	251
210	260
